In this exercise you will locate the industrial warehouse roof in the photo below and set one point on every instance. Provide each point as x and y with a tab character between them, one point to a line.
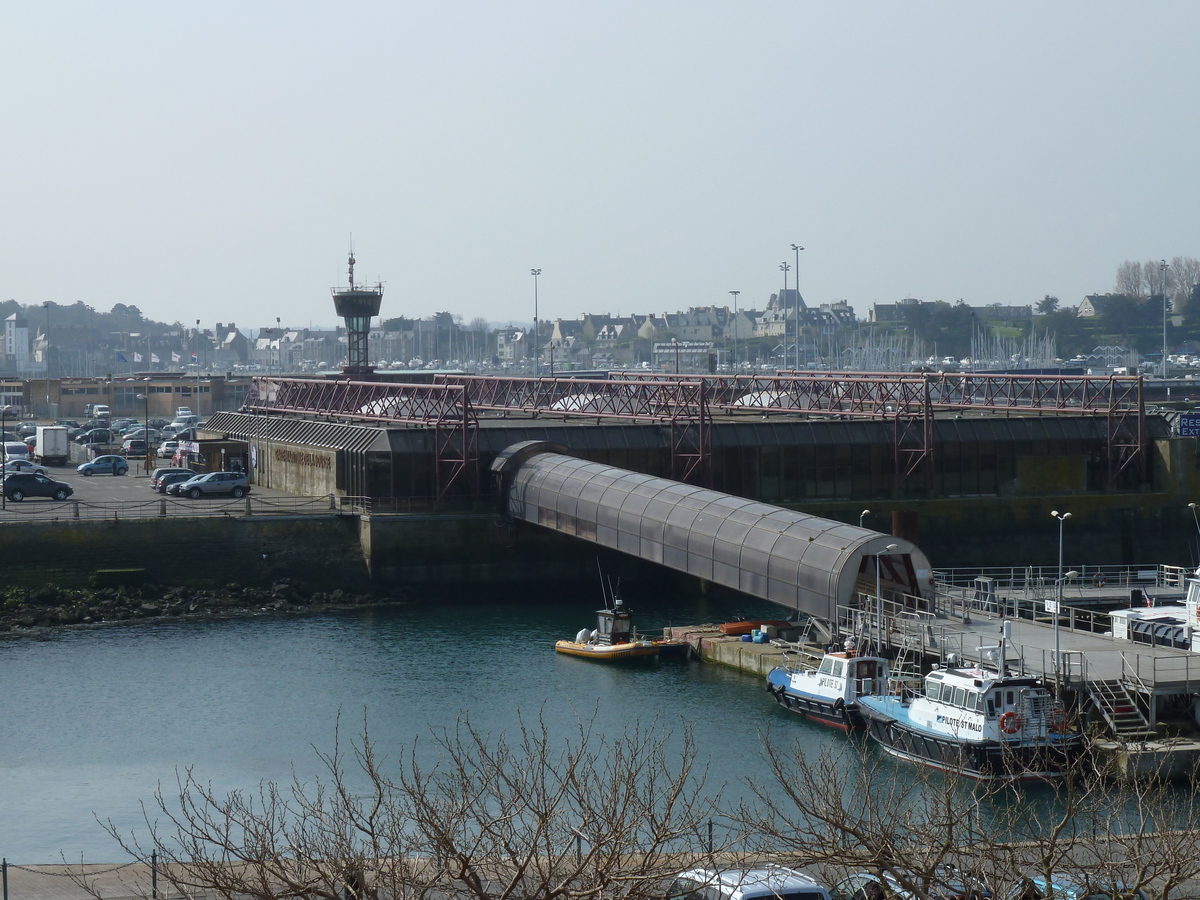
799	561
294	430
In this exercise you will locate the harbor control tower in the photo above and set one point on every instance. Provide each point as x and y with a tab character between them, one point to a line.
357	305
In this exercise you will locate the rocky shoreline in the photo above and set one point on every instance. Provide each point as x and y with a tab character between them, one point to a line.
53	607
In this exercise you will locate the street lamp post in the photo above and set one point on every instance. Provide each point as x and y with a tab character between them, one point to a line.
784	267
149	452
47	304
879	601
797	248
675	344
735	330
862	515
537	363
1162	286
4	410
1058	608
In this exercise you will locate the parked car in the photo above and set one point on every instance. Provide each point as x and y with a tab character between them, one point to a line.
233	483
23	465
16	450
120	426
25	429
771	882
158	473
104	465
95	436
170	478
1071	887
134	447
20	485
71	425
159	423
140	432
949	885
167	449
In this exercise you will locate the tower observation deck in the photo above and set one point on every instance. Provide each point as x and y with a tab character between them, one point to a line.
357	305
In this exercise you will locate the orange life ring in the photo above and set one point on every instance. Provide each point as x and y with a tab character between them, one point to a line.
1058	721
1010	722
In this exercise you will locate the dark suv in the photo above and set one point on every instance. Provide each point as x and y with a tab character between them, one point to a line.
20	485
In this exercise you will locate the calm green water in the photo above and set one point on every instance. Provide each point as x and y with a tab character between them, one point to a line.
93	721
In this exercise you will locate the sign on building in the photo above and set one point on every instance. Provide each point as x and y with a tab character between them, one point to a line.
1189	425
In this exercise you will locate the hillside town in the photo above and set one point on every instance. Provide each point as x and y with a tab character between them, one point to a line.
1150	312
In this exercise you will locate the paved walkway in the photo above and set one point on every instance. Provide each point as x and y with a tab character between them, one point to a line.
1089	654
112	881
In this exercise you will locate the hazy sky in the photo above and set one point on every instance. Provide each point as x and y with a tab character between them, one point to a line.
211	160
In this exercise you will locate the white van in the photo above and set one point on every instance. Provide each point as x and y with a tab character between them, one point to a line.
16	450
100	411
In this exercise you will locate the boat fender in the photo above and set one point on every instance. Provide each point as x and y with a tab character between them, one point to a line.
1010	722
582	637
838	705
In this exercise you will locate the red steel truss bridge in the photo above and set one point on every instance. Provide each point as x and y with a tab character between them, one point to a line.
686	405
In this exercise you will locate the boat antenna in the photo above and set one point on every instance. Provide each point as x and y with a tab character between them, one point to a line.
603	593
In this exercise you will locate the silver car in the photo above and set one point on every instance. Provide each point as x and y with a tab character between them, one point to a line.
233	483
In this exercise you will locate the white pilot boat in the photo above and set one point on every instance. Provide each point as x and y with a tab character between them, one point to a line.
978	722
830	692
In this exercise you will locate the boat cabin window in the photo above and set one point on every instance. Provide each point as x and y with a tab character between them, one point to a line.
1010	698
991	707
839	667
933	690
826	666
975	701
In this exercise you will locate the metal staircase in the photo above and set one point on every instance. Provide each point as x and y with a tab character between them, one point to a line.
1120	710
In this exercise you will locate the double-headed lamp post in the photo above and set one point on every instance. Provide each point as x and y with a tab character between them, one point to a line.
735	331
1062	517
862	515
797	248
537	361
879	601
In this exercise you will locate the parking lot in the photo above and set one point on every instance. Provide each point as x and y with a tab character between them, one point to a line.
130	496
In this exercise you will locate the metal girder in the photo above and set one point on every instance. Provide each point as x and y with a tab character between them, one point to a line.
649	400
685	403
445	408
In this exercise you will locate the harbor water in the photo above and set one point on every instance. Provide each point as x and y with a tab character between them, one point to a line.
95	720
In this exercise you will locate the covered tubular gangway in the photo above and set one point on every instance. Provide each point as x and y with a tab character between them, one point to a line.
799	561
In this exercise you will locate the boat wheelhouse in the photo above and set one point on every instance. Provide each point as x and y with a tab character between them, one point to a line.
978	722
830	692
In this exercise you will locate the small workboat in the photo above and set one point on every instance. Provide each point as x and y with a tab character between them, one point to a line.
983	723
829	692
614	638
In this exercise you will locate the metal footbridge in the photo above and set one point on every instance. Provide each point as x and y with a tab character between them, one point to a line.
796	560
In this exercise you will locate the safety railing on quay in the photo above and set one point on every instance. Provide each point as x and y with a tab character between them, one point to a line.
1037	580
1180	673
168	507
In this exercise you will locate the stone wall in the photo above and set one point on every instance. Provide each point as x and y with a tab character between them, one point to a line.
206	552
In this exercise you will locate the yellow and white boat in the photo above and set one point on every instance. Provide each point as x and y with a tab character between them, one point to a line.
612	641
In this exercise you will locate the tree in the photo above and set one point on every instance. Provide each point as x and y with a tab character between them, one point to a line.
1186	272
1131	281
472	816
847	809
1047	305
